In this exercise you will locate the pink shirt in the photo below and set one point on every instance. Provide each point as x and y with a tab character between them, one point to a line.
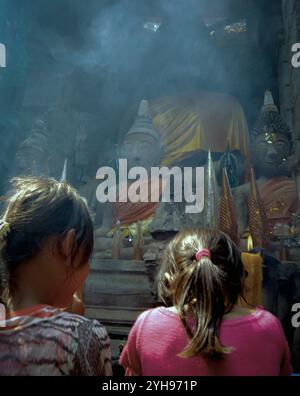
260	347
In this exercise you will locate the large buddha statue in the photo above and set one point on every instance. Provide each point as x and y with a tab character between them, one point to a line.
191	124
273	161
195	123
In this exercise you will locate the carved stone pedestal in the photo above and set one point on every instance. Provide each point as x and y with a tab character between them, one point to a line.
116	292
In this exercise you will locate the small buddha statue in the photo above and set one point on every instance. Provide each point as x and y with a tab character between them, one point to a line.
32	157
274	163
141	147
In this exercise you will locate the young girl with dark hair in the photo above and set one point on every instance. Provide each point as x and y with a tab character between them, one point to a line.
46	239
202	330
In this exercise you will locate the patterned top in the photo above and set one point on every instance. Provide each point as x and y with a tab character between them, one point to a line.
48	341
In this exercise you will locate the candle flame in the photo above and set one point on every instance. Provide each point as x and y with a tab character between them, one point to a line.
249	243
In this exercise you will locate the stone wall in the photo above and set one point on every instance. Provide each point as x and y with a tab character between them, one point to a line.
289	77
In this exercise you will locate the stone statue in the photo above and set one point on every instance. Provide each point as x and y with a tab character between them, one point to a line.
141	147
33	157
273	161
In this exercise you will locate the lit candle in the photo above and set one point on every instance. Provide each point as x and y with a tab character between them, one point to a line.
249	243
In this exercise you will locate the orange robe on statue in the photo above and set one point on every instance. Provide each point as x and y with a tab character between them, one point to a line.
280	199
131	212
189	123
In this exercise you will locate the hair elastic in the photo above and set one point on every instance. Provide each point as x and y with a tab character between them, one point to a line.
202	253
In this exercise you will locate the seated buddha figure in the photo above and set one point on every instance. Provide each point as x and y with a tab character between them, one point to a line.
32	157
273	162
141	147
191	124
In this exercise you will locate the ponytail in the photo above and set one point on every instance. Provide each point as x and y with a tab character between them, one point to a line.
207	309
203	287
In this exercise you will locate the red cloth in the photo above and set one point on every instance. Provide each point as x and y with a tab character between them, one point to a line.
131	212
280	199
158	336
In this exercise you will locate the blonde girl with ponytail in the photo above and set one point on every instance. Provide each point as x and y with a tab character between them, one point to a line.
201	329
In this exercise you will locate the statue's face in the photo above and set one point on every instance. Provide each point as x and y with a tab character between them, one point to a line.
31	162
141	149
270	151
